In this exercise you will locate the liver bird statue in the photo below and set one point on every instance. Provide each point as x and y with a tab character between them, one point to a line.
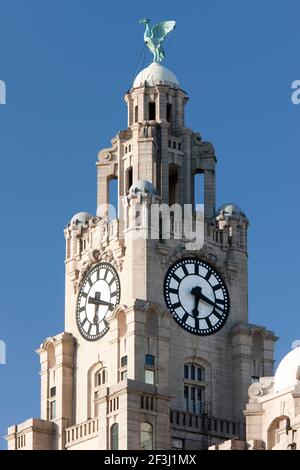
155	35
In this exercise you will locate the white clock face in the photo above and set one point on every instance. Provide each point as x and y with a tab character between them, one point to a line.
196	296
98	295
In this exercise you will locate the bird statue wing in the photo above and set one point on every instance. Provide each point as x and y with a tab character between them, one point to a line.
161	30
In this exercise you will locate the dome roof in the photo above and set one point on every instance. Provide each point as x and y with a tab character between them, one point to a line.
156	74
230	210
287	372
80	218
143	186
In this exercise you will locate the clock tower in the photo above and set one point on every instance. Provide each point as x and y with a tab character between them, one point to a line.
157	352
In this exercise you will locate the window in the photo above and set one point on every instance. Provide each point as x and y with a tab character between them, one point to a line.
123	368
100	378
194	389
254	379
177	443
114	437
124	375
149	360
52	392
179	145
136	114
128	179
149	376
152	111
113	198
169	112
173	184
146	436
147	402
198	188
52	409
123	361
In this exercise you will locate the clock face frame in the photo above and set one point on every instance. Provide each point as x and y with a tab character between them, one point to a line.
98	295
197	296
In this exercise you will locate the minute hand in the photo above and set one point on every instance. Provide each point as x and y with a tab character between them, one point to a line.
206	299
100	302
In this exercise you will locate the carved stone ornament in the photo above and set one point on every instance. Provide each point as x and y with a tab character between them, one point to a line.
95	256
255	391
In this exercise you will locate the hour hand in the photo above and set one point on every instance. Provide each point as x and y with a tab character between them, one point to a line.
196	292
97	301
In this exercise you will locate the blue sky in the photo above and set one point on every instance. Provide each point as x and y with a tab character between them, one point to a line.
67	65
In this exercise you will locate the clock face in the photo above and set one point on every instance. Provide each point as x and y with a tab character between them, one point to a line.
196	296
98	296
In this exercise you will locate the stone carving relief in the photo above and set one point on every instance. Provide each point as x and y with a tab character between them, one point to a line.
95	256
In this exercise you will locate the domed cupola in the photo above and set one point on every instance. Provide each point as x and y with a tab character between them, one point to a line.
288	371
230	210
155	74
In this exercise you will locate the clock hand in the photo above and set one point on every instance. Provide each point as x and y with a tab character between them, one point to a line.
207	300
100	302
96	316
97	301
197	292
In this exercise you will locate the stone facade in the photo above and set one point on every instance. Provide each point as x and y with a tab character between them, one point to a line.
94	394
273	411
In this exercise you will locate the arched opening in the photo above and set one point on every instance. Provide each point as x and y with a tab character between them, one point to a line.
257	349
278	427
173	184
151	326
169	112
128	179
114	437
51	356
51	405
112	197
194	388
146	436
96	380
152	111
198	188
122	327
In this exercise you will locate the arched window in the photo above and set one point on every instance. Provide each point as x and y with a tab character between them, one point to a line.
122	326
194	388
112	197
51	356
151	326
276	428
97	378
51	382
146	436
114	437
128	179
173	184
152	111
257	350
198	188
